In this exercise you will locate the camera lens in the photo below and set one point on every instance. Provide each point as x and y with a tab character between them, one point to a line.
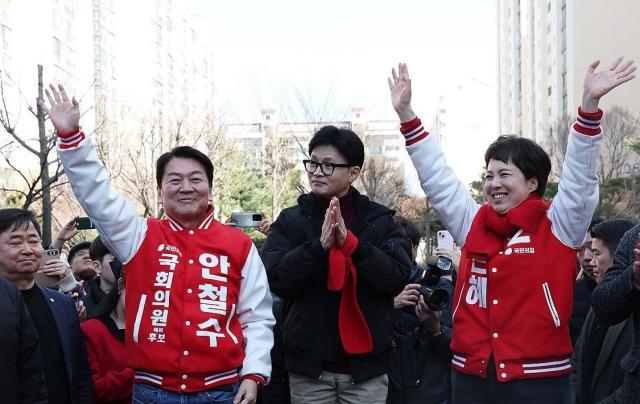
436	299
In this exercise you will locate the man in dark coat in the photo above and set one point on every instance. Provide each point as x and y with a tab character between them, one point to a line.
338	259
617	298
598	375
21	375
63	354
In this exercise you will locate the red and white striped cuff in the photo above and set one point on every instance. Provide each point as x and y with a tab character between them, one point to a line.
588	123
413	131
70	139
256	378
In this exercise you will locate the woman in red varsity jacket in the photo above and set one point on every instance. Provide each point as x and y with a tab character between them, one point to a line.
513	296
104	338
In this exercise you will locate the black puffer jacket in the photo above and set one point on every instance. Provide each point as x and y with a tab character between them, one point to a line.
297	265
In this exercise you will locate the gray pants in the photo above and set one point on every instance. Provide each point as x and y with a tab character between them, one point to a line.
337	388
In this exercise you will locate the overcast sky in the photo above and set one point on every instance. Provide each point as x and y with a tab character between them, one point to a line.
340	52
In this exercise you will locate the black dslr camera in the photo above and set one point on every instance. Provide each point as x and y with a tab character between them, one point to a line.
436	299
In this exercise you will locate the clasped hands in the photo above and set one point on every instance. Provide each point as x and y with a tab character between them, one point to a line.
334	231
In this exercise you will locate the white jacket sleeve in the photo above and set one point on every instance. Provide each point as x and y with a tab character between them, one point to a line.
573	207
115	218
255	313
447	194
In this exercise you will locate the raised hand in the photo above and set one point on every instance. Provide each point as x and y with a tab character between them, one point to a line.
599	83
65	234
63	113
400	87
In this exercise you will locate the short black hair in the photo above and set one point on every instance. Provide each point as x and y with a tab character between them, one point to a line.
344	140
98	250
84	245
525	154
186	152
611	232
14	218
410	230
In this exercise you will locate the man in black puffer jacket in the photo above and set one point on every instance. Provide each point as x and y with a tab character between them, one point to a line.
339	260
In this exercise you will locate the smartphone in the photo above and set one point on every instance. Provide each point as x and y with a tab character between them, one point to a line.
51	254
445	240
84	223
246	219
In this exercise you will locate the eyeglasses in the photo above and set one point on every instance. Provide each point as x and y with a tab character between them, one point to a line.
327	168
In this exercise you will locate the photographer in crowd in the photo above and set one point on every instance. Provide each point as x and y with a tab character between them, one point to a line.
420	358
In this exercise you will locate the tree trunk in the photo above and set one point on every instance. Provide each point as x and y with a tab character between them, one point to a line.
44	166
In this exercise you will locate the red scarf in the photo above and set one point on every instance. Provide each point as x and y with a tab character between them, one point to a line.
490	229
353	328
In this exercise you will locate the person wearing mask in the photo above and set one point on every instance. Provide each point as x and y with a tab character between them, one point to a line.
514	289
338	259
62	349
598	375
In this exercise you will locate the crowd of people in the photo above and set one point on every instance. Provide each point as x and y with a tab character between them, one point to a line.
540	302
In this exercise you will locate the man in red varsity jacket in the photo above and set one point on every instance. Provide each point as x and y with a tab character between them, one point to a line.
514	289
199	318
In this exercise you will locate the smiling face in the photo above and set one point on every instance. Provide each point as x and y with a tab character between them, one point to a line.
336	184
20	253
505	187
185	190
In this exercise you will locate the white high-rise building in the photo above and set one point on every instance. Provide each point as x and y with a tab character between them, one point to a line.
139	61
544	48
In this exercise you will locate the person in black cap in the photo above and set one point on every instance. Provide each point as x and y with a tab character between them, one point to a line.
80	261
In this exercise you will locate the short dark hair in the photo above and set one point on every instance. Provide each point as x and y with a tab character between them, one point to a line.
98	250
410	230
344	140
525	154
611	232
14	218
84	245
186	152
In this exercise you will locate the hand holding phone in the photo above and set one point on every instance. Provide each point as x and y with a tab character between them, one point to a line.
84	223
246	219
445	240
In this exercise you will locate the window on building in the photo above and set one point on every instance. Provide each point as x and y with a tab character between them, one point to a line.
549	90
57	49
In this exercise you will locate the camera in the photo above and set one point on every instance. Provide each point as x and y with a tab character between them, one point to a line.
435	298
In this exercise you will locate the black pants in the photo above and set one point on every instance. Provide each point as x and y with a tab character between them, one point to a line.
469	389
